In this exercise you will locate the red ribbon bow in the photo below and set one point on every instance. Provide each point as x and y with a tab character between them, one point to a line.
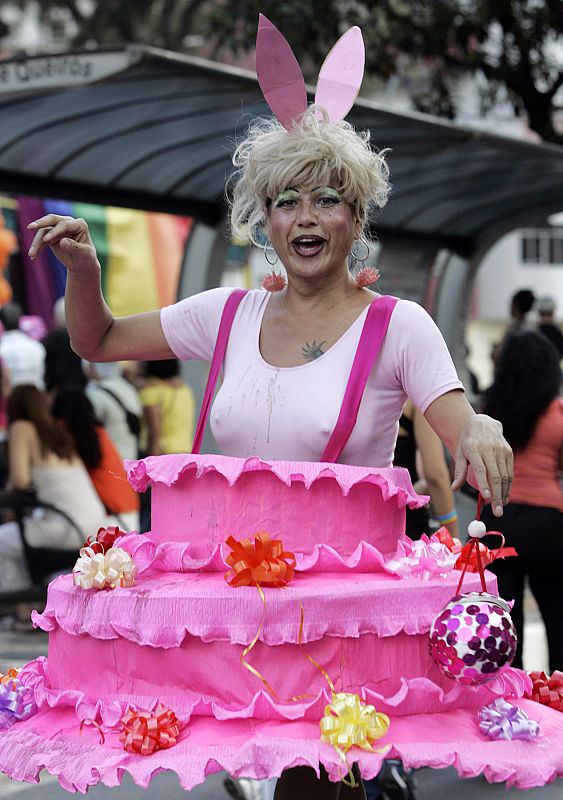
547	690
468	554
262	562
145	732
444	537
104	539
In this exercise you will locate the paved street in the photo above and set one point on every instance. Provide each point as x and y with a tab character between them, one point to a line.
17	648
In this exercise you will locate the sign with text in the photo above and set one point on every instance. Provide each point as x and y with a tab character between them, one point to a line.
63	69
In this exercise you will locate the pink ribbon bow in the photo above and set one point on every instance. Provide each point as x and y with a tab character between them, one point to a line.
422	559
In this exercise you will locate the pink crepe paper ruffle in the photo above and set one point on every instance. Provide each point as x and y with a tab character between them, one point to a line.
398	698
161	610
177	557
393	482
249	748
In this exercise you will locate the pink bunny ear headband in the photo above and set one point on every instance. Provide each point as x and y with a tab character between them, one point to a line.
283	87
282	82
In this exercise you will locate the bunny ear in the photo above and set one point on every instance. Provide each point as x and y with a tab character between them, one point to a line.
279	74
341	75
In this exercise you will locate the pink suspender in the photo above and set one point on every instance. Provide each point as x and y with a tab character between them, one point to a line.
371	339
225	326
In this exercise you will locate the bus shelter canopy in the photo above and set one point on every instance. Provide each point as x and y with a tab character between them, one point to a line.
157	132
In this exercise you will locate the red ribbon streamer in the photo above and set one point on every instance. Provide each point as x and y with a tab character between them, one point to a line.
547	689
145	733
262	562
96	725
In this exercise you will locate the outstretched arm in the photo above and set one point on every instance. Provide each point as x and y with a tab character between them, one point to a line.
94	332
481	453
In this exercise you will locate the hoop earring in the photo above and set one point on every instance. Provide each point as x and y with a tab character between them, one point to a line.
267	247
358	258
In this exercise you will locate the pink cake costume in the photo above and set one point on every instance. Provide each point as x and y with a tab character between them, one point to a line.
314	651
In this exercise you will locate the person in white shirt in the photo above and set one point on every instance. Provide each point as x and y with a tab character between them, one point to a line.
113	398
23	359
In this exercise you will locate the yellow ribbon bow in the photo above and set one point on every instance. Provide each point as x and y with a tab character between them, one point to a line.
348	722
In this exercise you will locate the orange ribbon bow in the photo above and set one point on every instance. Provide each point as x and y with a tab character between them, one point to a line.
145	733
262	562
547	690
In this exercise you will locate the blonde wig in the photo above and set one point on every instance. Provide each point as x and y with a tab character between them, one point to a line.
313	153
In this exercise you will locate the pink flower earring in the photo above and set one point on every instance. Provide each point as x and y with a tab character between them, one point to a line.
365	276
273	282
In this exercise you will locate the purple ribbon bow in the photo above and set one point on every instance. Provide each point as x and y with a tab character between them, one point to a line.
16	703
502	720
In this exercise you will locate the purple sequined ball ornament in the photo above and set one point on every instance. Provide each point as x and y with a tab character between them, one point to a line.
473	638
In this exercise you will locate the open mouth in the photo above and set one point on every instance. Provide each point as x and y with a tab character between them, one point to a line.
308	246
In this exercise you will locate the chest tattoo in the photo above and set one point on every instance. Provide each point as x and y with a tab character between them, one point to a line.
313	351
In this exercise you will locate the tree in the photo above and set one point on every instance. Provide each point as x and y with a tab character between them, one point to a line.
103	23
512	44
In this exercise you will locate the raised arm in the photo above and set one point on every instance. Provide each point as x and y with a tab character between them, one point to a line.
481	453
94	332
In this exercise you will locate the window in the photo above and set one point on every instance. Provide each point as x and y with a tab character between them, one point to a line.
542	245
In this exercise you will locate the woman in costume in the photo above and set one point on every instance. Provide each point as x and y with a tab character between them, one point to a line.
310	181
525	397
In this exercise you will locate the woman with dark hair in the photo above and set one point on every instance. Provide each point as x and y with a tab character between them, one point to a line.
524	396
42	458
99	455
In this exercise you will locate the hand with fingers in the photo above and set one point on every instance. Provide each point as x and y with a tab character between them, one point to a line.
68	238
484	454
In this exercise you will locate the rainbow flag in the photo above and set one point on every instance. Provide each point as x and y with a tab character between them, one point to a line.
140	252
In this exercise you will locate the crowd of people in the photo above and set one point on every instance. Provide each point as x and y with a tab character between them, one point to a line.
67	427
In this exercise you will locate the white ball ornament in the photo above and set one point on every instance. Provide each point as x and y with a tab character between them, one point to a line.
477	529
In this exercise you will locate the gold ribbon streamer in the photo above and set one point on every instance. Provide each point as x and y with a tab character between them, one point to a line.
347	721
247	650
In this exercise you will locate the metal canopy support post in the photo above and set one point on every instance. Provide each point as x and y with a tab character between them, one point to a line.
451	307
405	264
202	268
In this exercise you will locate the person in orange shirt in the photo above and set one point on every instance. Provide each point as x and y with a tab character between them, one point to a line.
525	397
100	457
